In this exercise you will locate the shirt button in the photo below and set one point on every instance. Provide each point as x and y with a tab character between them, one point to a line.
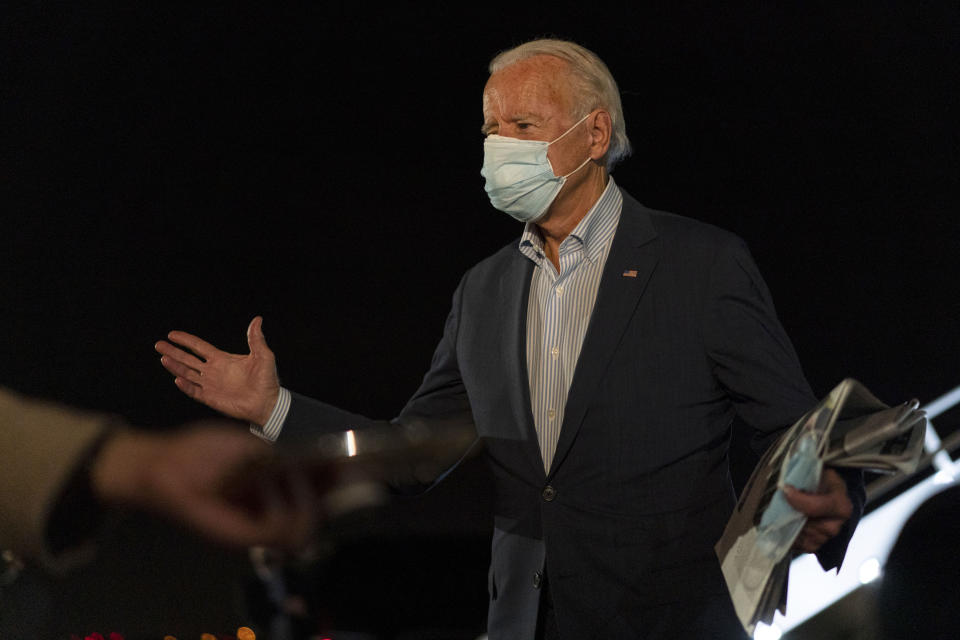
537	579
555	352
559	289
551	414
548	493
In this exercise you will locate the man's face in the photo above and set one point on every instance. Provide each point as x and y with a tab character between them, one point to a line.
531	100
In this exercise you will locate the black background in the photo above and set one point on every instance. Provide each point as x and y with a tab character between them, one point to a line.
188	166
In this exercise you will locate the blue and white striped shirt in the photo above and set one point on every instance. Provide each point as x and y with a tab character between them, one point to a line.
270	431
559	309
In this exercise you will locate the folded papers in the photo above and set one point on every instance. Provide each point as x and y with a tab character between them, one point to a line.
850	427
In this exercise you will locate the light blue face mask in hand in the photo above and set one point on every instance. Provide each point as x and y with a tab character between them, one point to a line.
519	177
780	522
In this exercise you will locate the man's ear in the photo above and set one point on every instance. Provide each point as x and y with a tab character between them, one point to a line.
601	128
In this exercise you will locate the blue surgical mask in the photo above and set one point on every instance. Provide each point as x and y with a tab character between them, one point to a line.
781	523
520	178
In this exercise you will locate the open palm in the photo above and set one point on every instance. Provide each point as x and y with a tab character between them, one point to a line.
240	386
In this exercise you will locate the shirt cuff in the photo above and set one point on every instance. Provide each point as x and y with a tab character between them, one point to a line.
270	431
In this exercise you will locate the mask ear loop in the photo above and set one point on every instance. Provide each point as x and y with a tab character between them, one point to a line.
572	127
578	168
584	163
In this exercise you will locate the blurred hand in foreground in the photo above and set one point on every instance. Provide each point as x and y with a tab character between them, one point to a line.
206	475
241	386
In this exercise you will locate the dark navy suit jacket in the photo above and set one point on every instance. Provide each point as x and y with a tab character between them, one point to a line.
683	337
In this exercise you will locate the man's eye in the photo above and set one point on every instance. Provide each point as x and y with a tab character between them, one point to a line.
523	125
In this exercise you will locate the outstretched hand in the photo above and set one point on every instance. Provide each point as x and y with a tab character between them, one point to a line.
827	510
188	475
241	386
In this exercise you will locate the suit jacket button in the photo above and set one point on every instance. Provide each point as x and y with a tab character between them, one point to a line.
548	493
537	579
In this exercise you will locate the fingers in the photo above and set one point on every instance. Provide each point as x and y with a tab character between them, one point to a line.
241	386
190	479
193	390
831	481
282	508
255	338
290	515
810	540
826	511
180	370
816	533
812	505
831	502
185	367
284	515
166	349
200	347
823	530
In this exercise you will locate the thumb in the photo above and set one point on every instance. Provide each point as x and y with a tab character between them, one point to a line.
255	338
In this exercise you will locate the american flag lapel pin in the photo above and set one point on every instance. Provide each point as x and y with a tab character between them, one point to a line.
630	273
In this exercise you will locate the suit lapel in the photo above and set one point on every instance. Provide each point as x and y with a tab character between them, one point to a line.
514	293
633	257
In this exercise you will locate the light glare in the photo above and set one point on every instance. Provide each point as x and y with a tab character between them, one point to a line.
351	443
764	632
869	570
943	477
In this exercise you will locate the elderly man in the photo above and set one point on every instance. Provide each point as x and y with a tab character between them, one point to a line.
603	358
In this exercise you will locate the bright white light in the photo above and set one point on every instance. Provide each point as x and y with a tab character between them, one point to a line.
351	443
869	570
941	404
763	632
943	477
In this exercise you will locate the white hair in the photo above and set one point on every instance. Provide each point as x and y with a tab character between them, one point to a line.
593	84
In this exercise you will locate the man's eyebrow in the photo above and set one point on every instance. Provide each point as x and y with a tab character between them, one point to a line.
487	126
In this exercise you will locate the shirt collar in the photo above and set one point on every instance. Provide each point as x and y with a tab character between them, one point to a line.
593	232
